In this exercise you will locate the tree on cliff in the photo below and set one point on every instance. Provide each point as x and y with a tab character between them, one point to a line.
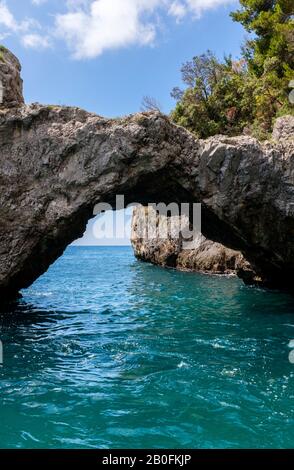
229	96
270	54
150	104
217	99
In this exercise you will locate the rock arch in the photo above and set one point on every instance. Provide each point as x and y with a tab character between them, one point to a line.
56	163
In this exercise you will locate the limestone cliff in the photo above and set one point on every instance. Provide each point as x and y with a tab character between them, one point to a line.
159	239
10	80
56	163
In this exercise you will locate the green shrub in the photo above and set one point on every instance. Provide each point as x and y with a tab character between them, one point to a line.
230	97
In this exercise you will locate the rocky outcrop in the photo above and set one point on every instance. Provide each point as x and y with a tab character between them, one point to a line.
56	163
283	129
10	80
214	258
159	239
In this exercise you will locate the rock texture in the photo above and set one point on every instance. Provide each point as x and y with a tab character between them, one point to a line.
10	80
56	163
283	129
159	239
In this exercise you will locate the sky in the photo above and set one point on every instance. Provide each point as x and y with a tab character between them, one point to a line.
106	55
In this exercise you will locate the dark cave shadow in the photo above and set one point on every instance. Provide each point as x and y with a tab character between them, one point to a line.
21	313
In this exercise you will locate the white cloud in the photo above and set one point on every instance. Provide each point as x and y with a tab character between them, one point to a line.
3	36
10	24
25	28
199	6
105	24
38	2
36	41
76	4
181	8
178	10
6	18
90	27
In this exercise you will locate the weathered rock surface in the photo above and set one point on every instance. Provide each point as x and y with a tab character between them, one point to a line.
56	163
284	128
10	80
161	240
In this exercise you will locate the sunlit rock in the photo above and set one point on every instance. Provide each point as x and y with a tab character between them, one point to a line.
56	163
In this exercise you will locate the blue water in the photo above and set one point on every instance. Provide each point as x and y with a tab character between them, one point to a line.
105	351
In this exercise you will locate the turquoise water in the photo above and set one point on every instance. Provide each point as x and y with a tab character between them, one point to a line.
105	351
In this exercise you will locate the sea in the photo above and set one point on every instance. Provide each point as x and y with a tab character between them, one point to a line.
105	351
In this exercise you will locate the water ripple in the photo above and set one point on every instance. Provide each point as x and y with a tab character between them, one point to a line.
104	351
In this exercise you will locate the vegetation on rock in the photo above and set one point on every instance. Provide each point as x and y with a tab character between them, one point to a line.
246	95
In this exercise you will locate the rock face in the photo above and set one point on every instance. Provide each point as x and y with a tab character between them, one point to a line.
56	163
10	80
159	240
284	128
